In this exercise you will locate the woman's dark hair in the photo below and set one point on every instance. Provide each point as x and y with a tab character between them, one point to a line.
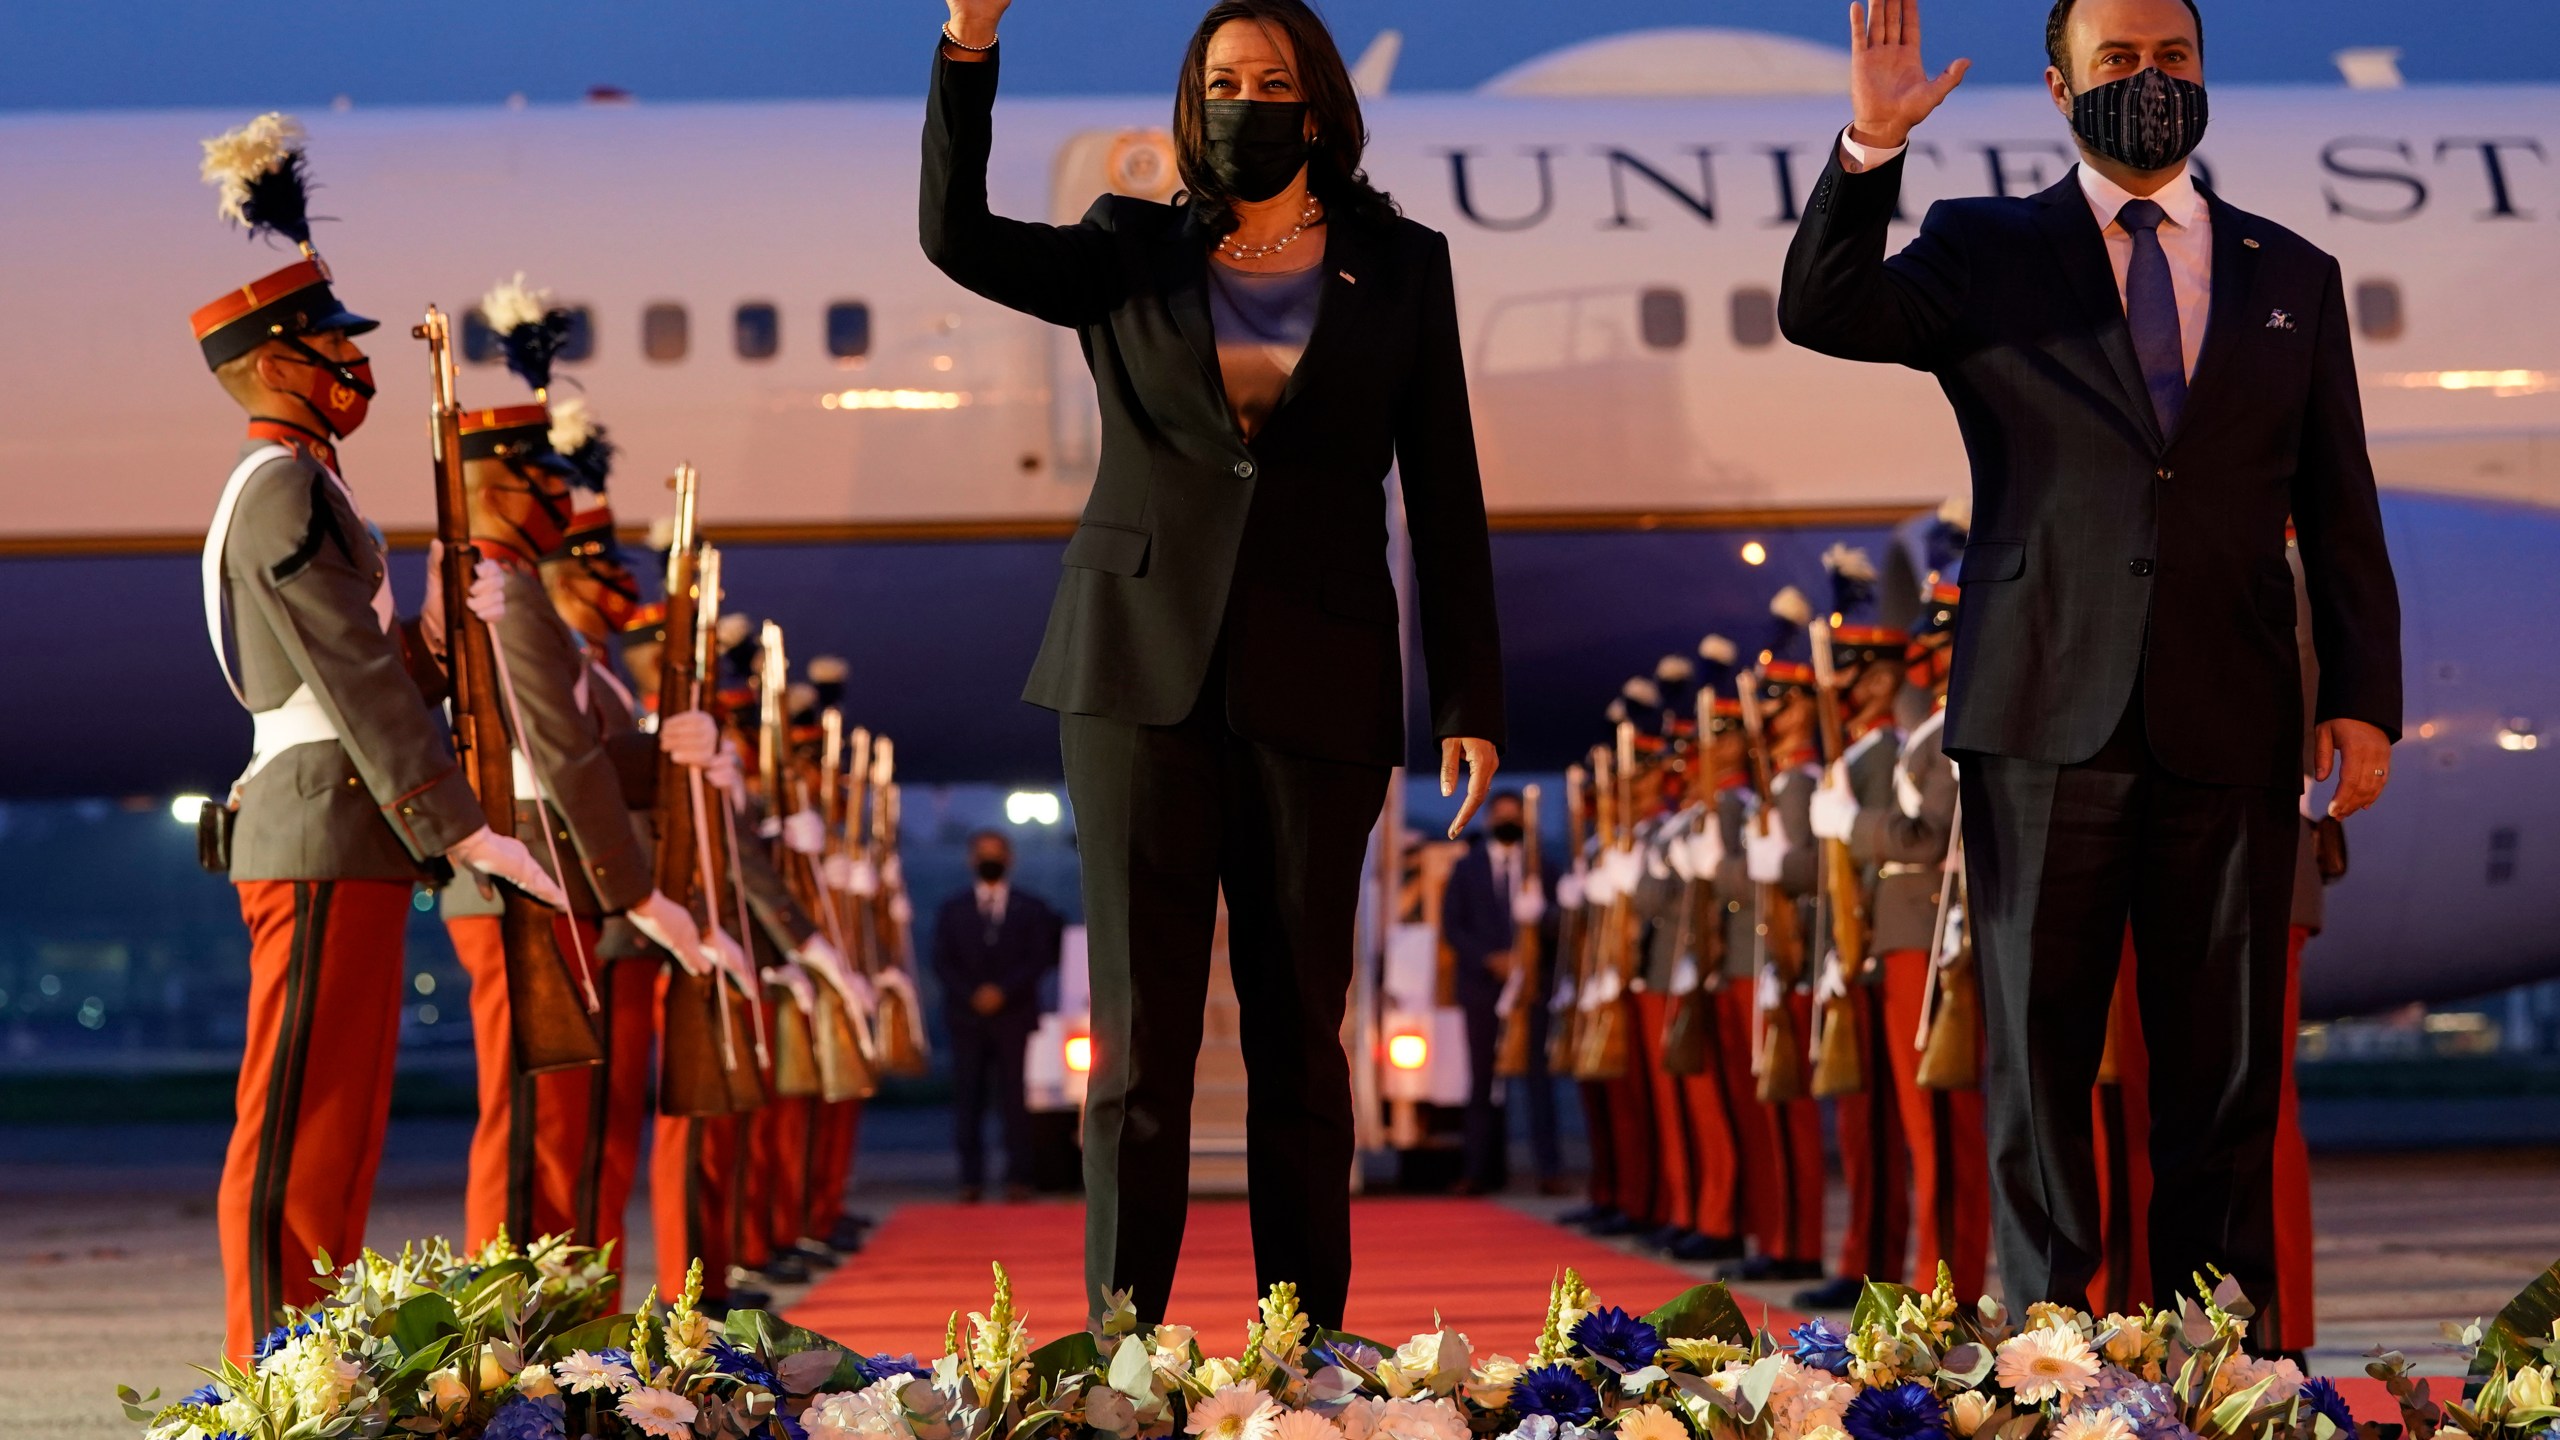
2058	49
1333	162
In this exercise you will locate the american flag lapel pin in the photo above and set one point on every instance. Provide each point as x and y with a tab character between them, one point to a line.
2279	320
2249	241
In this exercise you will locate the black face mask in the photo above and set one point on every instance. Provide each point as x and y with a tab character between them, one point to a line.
1508	831
1255	147
991	871
2146	121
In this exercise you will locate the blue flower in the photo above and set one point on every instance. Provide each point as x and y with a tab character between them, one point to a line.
2320	1396
1555	1390
1821	1345
207	1394
884	1365
1908	1411
528	1418
2146	1405
1614	1335
791	1429
276	1339
731	1360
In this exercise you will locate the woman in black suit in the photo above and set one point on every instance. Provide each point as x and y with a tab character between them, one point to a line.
1223	650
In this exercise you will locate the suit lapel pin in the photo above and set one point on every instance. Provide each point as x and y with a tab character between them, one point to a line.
2249	241
1347	277
2279	320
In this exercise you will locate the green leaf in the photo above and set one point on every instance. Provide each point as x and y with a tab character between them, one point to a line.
2226	1418
773	1337
1702	1312
613	1332
1133	1371
2517	1336
1757	1383
422	1321
1878	1300
1034	1421
1069	1354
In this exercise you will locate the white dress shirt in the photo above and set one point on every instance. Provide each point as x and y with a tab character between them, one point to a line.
2186	237
991	901
1506	868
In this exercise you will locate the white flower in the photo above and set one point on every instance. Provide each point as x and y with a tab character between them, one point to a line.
2093	1423
1235	1412
1436	1361
874	1412
1360	1417
2530	1388
658	1412
1650	1422
2240	1372
583	1372
1491	1386
2046	1363
534	1382
1968	1410
1305	1425
1217	1374
1419	1420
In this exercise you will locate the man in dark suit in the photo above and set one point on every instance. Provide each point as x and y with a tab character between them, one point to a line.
2150	381
1491	897
991	945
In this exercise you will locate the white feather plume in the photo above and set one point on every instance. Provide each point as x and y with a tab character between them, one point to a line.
1957	510
1674	669
235	158
572	423
1642	691
734	629
511	303
1718	650
662	532
1791	606
1617	712
1849	562
799	697
828	669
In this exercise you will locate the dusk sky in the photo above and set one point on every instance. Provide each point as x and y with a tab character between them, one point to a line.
129	53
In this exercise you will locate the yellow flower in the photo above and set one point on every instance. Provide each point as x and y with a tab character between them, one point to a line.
445	1391
2530	1388
535	1382
1215	1375
1651	1422
2046	1315
1704	1354
1968	1410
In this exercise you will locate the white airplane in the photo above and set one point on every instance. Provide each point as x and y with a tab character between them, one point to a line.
906	456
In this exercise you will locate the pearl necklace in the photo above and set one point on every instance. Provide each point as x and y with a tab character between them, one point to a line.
1234	251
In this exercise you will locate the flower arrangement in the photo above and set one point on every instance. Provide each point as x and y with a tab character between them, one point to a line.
504	1345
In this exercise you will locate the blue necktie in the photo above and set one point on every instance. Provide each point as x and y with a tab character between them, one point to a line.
2151	311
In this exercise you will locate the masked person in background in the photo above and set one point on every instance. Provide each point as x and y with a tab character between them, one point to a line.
992	944
2152	381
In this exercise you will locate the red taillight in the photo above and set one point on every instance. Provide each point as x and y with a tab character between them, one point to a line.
1407	1050
1080	1053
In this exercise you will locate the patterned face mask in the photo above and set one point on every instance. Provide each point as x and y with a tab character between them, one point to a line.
2146	121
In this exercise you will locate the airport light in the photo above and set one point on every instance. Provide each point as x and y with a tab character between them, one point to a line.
2518	735
1032	807
1407	1050
1754	553
187	809
1080	1054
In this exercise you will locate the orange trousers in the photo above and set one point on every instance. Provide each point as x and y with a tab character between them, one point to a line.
1942	1129
692	1172
1875	1160
314	1093
1675	1166
1717	1207
786	1151
1781	1145
544	1155
1631	1126
838	1132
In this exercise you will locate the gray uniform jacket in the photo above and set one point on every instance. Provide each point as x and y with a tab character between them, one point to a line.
1657	908
1733	882
589	821
300	570
1908	849
1871	763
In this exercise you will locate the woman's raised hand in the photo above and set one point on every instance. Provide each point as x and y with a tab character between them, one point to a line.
973	22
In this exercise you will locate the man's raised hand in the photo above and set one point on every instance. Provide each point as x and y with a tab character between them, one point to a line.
1890	91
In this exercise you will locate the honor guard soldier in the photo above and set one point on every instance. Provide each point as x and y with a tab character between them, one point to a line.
1693	1041
351	796
1779	860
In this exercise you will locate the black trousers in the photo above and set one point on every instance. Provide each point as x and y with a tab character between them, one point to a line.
2059	859
986	1071
1486	1137
1167	816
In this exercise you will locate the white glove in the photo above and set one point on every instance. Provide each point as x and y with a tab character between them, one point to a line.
901	909
670	927
1834	981
1706	850
1600	886
486	598
692	738
501	858
804	991
1764	857
805	831
1906	793
819	954
727	774
1529	904
1569	889
1835	810
730	955
892	875
1675	852
1656	865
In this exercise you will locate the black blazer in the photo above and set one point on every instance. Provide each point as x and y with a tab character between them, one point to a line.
2103	550
1022	950
1193	537
1475	918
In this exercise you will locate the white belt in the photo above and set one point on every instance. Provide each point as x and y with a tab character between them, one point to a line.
528	785
298	721
1892	868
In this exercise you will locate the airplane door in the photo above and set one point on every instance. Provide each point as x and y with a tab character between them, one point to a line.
1137	163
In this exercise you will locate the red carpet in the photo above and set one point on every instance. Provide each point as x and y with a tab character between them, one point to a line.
1485	1267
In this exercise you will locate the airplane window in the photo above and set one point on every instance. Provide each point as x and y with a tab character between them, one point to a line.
1664	317
759	328
1755	316
2378	312
664	332
479	342
848	329
580	342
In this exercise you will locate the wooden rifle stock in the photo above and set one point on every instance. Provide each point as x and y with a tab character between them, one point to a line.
795	1044
1604	1037
900	1028
547	1020
1777	1052
742	1049
844	1069
1571	929
1838	1067
1511	1054
691	1078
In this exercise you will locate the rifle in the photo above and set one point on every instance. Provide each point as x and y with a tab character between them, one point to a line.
1950	1038
1837	1068
900	1023
1777	1051
547	1020
1604	1037
694	1034
1689	1035
1563	1030
844	1062
795	1044
742	1048
1511	1055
